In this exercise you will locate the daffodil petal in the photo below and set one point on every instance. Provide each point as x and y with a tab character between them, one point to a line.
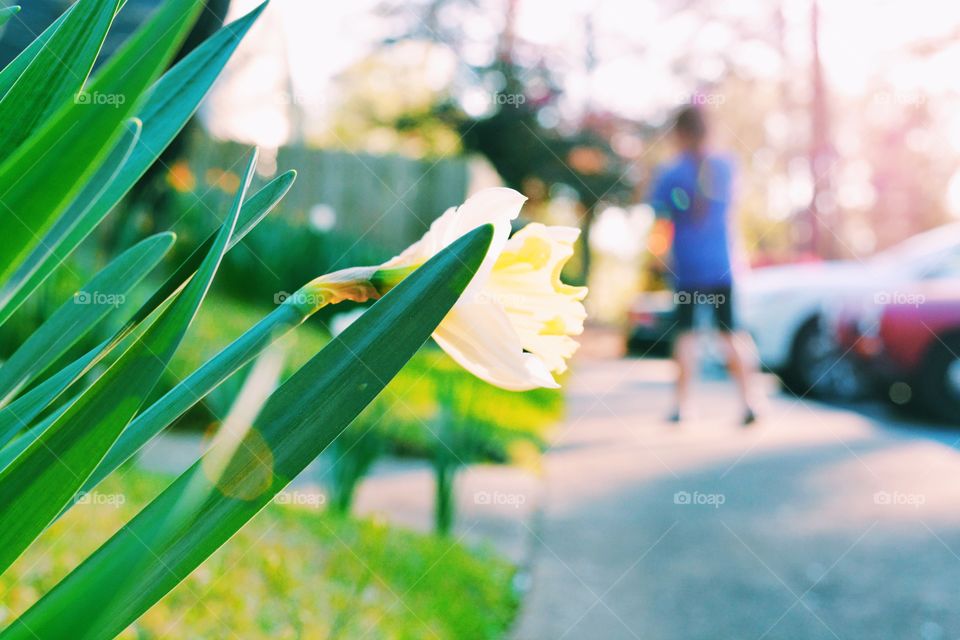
479	337
427	246
526	283
513	323
497	206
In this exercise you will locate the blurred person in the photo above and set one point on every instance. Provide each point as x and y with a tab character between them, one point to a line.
693	195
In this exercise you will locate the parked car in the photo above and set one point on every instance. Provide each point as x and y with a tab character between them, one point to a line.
909	344
650	324
791	309
652	327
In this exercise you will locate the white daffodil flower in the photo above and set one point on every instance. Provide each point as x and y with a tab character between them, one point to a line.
512	326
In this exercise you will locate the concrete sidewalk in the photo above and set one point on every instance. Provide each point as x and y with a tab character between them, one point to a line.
817	523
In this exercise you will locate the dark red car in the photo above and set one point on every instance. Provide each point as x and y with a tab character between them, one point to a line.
909	341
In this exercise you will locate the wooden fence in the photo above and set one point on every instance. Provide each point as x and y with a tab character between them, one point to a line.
345	209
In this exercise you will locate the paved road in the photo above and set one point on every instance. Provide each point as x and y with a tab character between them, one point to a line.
818	523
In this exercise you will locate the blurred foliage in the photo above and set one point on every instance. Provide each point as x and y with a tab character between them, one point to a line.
492	420
293	572
346	209
387	103
437	411
353	455
889	153
532	153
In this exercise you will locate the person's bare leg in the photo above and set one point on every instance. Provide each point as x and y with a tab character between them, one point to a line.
685	357
739	352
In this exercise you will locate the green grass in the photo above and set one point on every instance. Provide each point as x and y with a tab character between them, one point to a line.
293	572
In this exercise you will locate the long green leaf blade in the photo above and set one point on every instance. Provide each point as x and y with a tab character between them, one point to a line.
171	102
57	73
10	452
42	479
10	73
194	388
75	141
8	12
261	204
28	273
211	501
22	411
215	371
91	304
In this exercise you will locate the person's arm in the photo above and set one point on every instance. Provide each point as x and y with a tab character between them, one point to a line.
660	238
658	196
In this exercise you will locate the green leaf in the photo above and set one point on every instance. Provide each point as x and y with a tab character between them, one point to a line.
234	480
10	452
198	384
41	480
91	304
57	73
10	73
73	143
22	411
44	251
171	102
8	12
262	203
195	387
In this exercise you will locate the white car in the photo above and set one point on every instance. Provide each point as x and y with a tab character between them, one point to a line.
788	308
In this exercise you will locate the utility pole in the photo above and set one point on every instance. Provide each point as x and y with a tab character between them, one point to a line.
821	208
508	36
589	207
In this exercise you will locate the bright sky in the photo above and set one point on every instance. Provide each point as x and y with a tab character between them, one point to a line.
636	43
